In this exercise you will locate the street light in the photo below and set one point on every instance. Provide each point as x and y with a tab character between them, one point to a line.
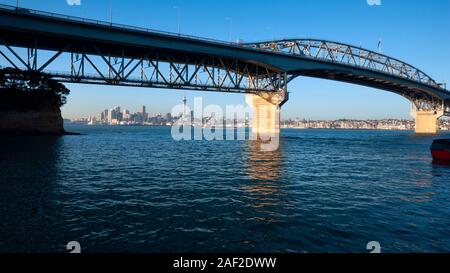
229	19
178	18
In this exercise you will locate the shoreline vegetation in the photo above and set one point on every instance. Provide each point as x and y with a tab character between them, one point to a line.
30	103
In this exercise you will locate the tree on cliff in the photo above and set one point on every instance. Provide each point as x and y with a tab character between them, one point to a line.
30	90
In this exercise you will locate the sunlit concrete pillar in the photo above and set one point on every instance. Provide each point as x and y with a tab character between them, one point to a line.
427	121
265	115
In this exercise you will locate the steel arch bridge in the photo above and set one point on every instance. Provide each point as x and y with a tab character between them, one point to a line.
109	54
431	96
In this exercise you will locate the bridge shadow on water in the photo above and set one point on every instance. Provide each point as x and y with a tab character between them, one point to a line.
27	203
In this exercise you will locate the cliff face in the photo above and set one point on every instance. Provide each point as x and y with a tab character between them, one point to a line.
32	122
30	103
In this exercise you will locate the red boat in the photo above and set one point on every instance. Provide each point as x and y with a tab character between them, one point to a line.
440	150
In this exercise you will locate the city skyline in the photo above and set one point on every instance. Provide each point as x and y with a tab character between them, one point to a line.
123	116
309	98
146	112
118	116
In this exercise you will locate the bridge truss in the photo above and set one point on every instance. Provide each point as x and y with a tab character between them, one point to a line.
86	63
69	58
344	54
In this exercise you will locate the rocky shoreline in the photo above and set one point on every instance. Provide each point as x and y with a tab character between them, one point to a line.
30	103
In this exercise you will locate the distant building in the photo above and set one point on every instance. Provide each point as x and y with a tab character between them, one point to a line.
126	115
111	115
144	114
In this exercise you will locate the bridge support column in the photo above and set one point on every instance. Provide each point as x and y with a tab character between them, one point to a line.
427	121
265	115
265	121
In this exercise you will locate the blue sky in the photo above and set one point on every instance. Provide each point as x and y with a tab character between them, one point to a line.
416	31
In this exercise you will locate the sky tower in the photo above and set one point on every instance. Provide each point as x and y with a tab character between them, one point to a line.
184	106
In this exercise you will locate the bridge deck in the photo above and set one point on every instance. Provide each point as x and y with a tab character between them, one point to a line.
28	28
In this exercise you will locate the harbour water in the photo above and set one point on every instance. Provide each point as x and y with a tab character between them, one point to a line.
135	189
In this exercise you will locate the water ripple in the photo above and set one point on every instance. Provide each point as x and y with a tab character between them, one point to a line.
135	189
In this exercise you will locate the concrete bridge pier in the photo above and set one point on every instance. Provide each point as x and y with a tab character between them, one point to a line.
427	121
265	121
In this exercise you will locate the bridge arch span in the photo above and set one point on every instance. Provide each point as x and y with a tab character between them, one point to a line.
130	56
343	62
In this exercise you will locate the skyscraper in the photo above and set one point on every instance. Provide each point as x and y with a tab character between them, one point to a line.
144	114
184	106
126	114
111	115
105	115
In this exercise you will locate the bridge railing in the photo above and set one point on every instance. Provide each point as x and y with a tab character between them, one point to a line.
108	24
